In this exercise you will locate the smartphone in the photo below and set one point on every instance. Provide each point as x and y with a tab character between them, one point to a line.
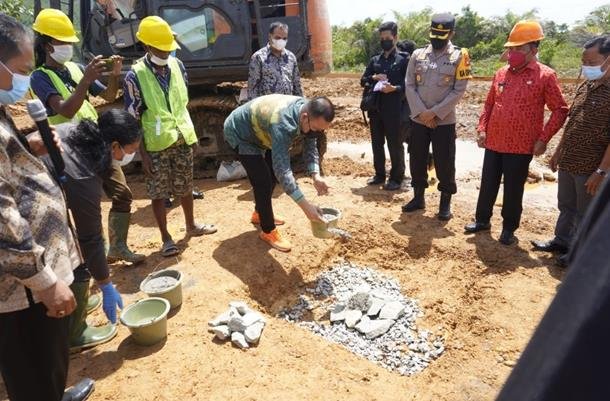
108	64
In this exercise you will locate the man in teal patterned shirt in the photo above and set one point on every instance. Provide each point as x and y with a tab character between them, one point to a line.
272	123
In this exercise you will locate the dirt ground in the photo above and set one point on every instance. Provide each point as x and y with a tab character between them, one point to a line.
485	298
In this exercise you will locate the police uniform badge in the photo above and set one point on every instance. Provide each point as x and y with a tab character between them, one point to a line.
464	69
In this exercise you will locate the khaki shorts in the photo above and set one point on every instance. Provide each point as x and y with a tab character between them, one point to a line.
172	170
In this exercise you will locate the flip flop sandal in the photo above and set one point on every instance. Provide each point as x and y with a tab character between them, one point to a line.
169	248
202	229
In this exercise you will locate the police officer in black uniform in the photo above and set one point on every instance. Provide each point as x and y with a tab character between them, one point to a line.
387	70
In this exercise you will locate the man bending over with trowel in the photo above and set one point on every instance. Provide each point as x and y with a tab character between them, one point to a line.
272	123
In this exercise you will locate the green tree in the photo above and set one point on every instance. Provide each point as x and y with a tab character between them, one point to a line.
22	10
353	46
596	23
470	28
414	26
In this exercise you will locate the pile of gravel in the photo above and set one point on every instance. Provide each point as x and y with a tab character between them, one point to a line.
402	348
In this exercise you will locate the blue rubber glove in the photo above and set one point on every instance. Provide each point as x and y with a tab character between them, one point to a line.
111	300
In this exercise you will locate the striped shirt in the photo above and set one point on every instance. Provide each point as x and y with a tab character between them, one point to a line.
587	133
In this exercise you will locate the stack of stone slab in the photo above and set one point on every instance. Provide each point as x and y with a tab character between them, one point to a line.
372	313
240	324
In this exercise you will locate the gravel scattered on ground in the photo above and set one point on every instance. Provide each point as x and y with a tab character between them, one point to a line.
403	348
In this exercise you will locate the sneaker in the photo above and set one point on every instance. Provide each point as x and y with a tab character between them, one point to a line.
275	239
256	219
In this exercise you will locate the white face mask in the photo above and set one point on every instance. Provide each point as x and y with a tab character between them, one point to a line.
127	158
62	53
279	44
162	62
593	73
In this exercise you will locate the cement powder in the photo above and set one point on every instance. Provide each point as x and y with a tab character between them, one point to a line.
160	284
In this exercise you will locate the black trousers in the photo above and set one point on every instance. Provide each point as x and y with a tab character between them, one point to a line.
514	168
34	354
261	176
386	125
443	150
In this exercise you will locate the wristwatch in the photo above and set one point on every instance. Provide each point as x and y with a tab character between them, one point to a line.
601	172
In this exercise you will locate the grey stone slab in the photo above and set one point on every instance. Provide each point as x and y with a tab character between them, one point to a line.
376	306
241	307
338	313
376	328
352	317
239	340
392	310
252	317
253	333
221	332
223	318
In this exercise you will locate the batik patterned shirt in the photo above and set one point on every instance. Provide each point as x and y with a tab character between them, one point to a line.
270	74
37	247
587	133
272	122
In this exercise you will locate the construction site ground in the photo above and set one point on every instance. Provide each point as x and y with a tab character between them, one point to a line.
483	297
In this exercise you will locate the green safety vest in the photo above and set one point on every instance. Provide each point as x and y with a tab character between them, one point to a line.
86	110
166	115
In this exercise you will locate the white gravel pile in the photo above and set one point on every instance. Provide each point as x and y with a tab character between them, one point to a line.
240	324
368	315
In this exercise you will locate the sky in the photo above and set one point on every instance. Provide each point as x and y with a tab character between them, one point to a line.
345	12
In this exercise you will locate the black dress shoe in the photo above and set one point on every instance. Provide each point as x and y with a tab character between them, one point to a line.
549	246
376	180
197	194
475	227
392	186
80	391
507	238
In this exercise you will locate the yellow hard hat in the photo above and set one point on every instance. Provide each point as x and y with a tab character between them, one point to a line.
56	24
524	32
154	31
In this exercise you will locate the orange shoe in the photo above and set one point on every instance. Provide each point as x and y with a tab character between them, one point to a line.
256	219
275	239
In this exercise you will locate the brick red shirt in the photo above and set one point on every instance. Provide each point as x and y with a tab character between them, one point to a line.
513	116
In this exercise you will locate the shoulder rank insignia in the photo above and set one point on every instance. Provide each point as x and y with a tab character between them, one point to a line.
464	70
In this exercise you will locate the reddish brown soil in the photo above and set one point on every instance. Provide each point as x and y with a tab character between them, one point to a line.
485	298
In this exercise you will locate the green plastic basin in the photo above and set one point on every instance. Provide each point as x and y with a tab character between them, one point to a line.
147	320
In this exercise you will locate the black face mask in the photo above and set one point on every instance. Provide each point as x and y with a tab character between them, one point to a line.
387	44
312	132
438	44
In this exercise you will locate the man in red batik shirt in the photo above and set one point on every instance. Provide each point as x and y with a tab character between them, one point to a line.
512	129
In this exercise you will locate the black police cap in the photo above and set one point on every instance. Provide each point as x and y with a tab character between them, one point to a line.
442	24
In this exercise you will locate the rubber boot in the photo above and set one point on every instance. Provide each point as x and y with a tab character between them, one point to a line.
81	334
118	226
417	203
444	209
94	302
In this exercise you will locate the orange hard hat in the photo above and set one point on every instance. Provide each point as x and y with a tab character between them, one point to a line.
525	32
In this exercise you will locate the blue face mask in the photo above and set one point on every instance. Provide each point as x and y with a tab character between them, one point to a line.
593	73
21	83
